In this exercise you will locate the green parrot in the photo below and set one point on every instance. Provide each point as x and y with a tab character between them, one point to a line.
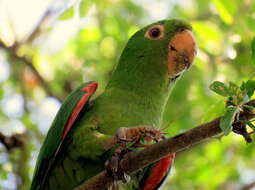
75	148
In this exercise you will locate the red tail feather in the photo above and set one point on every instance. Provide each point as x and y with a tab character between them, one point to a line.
158	173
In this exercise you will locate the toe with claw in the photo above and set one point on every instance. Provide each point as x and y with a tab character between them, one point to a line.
127	138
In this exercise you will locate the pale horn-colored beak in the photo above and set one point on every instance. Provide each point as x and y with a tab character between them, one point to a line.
181	54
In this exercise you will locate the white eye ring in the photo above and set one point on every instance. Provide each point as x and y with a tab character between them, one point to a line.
155	32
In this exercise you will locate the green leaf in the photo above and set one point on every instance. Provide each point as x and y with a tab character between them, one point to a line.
233	88
253	50
227	119
248	87
67	14
224	10
236	93
251	125
84	6
219	88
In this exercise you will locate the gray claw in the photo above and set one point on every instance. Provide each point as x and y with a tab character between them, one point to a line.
112	164
126	178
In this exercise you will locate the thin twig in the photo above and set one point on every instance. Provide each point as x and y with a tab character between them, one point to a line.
248	186
39	26
11	142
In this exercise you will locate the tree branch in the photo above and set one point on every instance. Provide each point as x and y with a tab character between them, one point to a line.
11	142
12	51
134	161
39	26
29	63
248	186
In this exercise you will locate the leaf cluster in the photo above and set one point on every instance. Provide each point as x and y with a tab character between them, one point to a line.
236	97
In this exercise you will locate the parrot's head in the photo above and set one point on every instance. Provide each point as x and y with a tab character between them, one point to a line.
169	42
156	55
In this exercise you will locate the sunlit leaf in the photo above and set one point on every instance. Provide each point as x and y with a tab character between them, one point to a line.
91	34
227	119
219	88
67	14
224	11
107	47
84	7
251	125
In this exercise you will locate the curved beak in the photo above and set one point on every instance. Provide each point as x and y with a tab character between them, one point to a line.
182	50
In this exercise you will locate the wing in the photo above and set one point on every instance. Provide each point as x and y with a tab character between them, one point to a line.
63	122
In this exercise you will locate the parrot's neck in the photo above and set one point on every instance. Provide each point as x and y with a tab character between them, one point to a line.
140	97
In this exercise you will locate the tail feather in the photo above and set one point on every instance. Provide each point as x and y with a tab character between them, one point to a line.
157	173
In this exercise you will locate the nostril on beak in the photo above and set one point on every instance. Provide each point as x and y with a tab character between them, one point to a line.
172	48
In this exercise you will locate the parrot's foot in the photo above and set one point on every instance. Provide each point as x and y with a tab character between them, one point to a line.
127	138
113	168
133	136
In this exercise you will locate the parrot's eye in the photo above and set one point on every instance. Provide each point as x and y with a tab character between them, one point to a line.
155	32
182	29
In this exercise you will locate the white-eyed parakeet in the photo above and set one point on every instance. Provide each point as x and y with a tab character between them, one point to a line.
135	98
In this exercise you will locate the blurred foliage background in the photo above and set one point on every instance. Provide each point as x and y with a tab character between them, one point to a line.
49	47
